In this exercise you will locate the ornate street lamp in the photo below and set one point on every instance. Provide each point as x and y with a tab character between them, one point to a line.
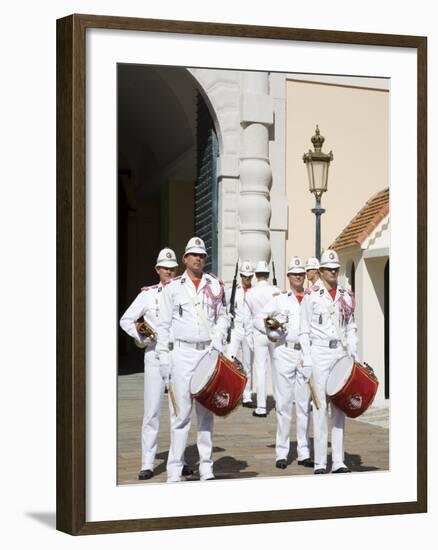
317	170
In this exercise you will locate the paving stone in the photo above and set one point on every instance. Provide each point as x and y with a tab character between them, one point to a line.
244	446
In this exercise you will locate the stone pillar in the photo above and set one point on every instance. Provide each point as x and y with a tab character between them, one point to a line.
222	93
255	170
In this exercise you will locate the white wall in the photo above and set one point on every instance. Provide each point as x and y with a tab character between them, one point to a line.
370	320
372	343
28	276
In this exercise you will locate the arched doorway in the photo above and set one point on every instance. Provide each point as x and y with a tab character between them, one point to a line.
167	184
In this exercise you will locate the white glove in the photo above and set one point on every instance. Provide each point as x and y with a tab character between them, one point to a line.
216	344
354	355
276	335
165	371
307	373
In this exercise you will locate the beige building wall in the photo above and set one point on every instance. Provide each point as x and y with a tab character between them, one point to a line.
354	122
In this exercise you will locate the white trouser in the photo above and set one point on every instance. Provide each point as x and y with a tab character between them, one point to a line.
239	348
183	363
322	360
261	355
153	393
289	384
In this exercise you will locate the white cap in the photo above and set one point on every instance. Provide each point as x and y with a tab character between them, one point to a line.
312	263
330	259
296	265
166	258
262	267
246	269
195	246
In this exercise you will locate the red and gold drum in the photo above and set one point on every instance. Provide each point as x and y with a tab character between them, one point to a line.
351	386
217	383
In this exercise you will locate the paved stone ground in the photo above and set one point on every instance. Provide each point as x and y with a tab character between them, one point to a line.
244	446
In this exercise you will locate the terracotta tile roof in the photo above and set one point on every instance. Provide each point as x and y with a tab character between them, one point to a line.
361	226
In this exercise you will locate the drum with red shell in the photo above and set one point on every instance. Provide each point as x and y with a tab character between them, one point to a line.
351	386
218	383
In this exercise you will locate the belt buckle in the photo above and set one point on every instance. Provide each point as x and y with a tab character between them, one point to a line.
199	346
333	344
170	346
297	346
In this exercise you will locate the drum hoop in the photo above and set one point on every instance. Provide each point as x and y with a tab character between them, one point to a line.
209	382
356	366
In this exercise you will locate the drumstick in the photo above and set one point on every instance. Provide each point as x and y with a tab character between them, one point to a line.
313	394
172	398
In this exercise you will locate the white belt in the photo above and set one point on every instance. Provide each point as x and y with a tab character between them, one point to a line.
332	344
192	345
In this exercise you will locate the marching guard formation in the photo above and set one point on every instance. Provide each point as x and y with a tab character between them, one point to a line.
210	347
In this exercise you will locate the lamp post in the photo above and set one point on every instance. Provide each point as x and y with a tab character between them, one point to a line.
317	164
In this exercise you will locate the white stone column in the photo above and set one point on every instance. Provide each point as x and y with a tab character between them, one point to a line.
255	170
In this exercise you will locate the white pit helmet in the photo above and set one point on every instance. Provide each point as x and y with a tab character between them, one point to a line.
166	258
312	263
195	246
296	265
262	267
330	259
246	269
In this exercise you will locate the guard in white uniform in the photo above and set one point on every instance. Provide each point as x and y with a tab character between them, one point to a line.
147	306
193	308
239	346
255	299
290	378
327	332
312	271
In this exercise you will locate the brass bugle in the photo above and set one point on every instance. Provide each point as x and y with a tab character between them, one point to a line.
273	324
145	329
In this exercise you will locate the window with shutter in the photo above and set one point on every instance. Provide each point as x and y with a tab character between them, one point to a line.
206	188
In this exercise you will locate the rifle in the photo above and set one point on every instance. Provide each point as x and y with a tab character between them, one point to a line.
274	280
232	303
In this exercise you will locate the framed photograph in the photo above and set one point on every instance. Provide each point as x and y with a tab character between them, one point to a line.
263	145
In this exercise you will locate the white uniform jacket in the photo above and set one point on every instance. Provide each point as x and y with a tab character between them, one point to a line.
285	307
146	305
324	320
256	298
194	315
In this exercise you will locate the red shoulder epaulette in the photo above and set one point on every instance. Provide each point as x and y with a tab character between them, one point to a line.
315	288
145	288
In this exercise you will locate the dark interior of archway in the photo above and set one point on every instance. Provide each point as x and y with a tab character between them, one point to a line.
158	169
